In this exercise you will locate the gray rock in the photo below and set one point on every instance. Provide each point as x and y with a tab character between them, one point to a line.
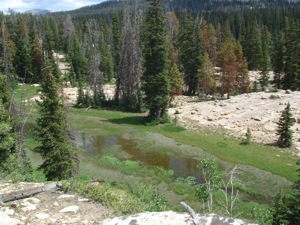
171	218
64	196
72	208
42	216
7	220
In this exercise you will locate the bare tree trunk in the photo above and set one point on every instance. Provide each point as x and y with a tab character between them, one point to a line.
191	212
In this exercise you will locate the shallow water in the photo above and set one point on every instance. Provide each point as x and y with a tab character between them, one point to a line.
117	146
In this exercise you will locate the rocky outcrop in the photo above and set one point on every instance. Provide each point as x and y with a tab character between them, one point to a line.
172	218
48	207
258	111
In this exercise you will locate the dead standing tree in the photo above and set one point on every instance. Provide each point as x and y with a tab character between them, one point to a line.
129	71
95	76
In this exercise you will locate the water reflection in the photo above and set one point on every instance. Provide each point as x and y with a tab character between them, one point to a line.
99	146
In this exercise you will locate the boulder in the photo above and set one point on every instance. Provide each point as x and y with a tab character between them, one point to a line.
171	218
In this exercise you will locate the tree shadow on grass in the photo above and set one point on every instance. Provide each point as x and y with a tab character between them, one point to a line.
131	120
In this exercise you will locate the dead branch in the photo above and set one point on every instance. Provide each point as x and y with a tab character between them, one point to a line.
191	212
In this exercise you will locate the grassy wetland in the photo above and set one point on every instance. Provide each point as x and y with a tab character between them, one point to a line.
153	167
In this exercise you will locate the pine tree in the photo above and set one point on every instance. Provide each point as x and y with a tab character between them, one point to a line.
37	57
284	128
207	72
209	41
52	130
190	52
7	139
23	59
243	81
265	63
7	136
279	211
294	205
155	80
176	81
278	59
229	67
291	78
253	47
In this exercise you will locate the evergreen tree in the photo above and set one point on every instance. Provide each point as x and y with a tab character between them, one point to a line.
23	59
278	59
243	81
116	36
37	56
207	76
291	79
284	128
190	52
279	211
229	67
7	136
209	41
176	81
52	130
294	204
252	46
265	63
155	78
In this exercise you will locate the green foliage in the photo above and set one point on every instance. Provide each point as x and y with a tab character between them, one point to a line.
262	216
52	131
149	194
265	63
177	81
294	203
141	197
7	137
155	80
212	178
190	51
129	167
284	131
19	169
279	211
248	138
291	78
207	76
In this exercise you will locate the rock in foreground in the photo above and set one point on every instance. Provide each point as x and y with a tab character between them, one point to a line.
171	218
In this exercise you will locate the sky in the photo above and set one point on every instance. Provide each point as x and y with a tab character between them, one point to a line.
53	5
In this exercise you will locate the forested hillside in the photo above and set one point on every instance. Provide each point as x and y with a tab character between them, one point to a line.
150	52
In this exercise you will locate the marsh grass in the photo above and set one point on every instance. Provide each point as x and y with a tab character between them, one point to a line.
124	173
215	143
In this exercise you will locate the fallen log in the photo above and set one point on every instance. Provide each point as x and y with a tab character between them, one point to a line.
28	192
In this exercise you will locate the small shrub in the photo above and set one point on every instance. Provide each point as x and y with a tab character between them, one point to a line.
262	216
274	96
248	136
129	167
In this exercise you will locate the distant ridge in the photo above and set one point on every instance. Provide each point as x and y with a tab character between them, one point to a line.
196	6
38	11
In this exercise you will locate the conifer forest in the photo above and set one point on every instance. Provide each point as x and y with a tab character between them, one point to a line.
152	51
